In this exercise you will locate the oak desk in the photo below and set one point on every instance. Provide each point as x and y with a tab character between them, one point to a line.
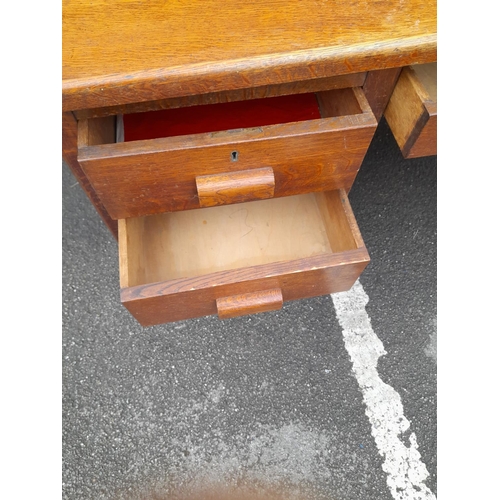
171	201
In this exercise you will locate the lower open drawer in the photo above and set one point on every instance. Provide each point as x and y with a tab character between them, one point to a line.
238	259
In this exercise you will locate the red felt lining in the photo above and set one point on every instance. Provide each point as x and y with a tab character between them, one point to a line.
222	116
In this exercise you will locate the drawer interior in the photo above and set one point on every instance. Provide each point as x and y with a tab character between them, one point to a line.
198	242
220	116
210	118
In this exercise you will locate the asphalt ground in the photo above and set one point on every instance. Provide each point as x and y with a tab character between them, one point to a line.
271	403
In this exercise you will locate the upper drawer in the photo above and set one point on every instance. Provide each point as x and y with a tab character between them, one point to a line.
412	111
183	172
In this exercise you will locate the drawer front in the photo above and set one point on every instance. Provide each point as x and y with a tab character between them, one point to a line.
412	111
239	259
162	175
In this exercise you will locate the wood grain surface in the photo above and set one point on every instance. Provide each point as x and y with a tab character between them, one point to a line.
190	298
378	87
70	154
412	111
235	187
426	142
175	266
118	51
153	176
249	303
193	243
316	85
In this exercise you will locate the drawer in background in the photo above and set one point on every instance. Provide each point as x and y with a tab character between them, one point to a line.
412	111
159	175
238	259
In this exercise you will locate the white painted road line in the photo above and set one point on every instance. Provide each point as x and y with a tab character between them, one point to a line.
405	471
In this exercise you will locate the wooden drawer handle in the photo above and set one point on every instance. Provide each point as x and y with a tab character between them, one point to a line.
249	303
235	187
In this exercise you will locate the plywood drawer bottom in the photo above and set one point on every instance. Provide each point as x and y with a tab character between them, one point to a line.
238	259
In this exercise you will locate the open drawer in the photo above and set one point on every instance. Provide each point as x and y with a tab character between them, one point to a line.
238	259
412	111
193	170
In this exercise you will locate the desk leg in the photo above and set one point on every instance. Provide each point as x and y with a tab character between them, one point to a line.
378	89
70	153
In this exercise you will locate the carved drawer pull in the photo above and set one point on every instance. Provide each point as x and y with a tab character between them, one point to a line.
235	187
249	303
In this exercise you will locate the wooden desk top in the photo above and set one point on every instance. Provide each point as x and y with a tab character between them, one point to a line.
123	51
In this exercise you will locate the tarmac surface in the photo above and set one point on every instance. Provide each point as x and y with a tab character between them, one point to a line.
275	403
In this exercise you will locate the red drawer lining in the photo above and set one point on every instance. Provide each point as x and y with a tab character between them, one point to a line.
222	116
